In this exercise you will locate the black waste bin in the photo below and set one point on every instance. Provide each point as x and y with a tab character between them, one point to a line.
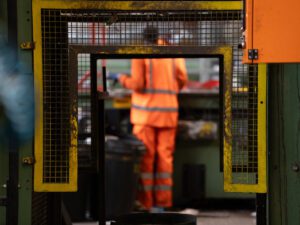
155	219
122	159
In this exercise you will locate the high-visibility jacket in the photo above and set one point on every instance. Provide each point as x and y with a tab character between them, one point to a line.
155	84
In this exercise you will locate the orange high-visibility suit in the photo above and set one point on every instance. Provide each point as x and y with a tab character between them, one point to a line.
154	114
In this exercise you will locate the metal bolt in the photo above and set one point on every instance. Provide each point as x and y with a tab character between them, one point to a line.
242	43
5	186
255	54
27	45
28	160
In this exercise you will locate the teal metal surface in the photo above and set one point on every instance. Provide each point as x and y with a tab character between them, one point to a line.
284	144
25	66
3	155
3	170
25	61
25	35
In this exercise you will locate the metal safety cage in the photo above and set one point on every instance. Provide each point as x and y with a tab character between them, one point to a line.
245	132
118	25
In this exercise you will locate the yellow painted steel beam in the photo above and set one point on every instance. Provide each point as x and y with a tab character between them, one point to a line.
262	128
38	85
227	139
137	50
141	5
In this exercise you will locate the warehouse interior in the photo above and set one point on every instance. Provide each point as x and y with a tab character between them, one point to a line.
68	152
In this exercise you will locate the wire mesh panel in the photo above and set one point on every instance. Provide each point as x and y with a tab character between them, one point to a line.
244	127
246	169
57	104
204	28
84	110
61	28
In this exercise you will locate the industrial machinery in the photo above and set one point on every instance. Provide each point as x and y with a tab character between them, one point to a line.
70	37
271	34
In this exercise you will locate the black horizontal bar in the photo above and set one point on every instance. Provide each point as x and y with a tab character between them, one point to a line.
82	136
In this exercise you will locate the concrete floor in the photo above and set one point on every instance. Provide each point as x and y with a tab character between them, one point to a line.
216	218
226	218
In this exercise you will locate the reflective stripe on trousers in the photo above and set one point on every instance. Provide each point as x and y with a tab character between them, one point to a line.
155	187
161	178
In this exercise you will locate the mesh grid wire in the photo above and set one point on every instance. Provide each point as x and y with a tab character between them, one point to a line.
56	102
84	109
116	28
244	128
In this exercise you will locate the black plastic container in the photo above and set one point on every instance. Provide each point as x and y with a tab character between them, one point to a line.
155	219
193	181
122	159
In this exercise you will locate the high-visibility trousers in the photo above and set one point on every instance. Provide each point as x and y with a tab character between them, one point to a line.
155	184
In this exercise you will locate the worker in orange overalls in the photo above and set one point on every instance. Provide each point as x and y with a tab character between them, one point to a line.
154	114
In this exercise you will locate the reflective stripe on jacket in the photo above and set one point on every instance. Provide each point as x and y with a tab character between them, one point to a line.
155	84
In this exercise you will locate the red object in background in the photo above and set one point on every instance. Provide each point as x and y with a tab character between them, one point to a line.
84	82
210	84
193	84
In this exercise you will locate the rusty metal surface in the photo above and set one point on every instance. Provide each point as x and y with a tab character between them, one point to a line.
144	5
108	52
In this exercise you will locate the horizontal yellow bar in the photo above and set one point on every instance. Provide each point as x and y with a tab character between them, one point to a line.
245	188
142	5
43	187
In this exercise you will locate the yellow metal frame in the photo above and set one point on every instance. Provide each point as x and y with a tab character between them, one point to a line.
139	5
261	186
37	5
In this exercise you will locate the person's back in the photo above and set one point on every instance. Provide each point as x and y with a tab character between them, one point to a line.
155	83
